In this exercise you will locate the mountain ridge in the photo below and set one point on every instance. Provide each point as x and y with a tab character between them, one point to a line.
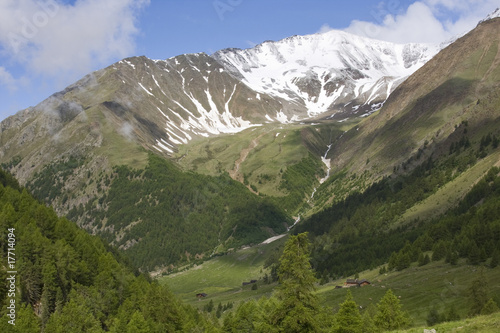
96	137
336	57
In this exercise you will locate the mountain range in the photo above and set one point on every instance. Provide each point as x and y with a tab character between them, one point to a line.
235	145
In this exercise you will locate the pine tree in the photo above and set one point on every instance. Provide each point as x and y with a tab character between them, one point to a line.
210	306
403	261
298	305
474	254
348	319
478	296
433	317
75	317
421	259
495	259
439	251
251	316
367	318
138	324
389	314
452	314
26	321
490	307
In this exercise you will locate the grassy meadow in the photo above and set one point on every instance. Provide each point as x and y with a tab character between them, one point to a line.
436	285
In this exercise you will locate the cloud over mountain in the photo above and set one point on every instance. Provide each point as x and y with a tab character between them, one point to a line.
64	41
426	21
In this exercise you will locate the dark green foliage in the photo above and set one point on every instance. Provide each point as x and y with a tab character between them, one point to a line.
433	317
47	184
294	307
348	319
209	307
251	316
7	180
297	180
495	258
490	307
389	315
177	215
423	259
26	321
439	251
346	238
478	295
452	314
73	282
352	235
298	306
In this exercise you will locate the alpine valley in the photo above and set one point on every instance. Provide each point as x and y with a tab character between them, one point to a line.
126	139
382	152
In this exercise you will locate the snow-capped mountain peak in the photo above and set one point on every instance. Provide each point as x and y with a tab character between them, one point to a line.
494	14
166	103
323	72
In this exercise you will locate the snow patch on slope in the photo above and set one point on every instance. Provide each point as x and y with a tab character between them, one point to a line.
321	68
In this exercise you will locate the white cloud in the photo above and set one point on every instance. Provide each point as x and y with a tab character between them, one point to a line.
425	21
65	41
325	28
127	130
7	79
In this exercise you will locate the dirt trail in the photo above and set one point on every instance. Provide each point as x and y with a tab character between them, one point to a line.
235	174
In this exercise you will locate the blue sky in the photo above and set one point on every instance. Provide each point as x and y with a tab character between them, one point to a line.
45	45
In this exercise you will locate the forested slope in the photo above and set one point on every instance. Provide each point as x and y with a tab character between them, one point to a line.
363	230
69	281
161	215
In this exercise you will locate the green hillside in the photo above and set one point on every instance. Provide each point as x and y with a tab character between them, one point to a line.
68	281
431	294
280	161
397	234
161	215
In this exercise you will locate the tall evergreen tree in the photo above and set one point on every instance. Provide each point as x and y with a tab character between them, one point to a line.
75	317
138	324
478	295
348	319
490	307
389	314
298	305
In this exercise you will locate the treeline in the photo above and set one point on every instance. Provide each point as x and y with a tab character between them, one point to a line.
47	184
355	234
360	232
294	307
167	216
470	231
69	281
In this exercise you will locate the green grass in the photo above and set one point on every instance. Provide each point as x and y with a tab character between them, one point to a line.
116	147
277	146
450	194
222	277
480	324
263	155
437	284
